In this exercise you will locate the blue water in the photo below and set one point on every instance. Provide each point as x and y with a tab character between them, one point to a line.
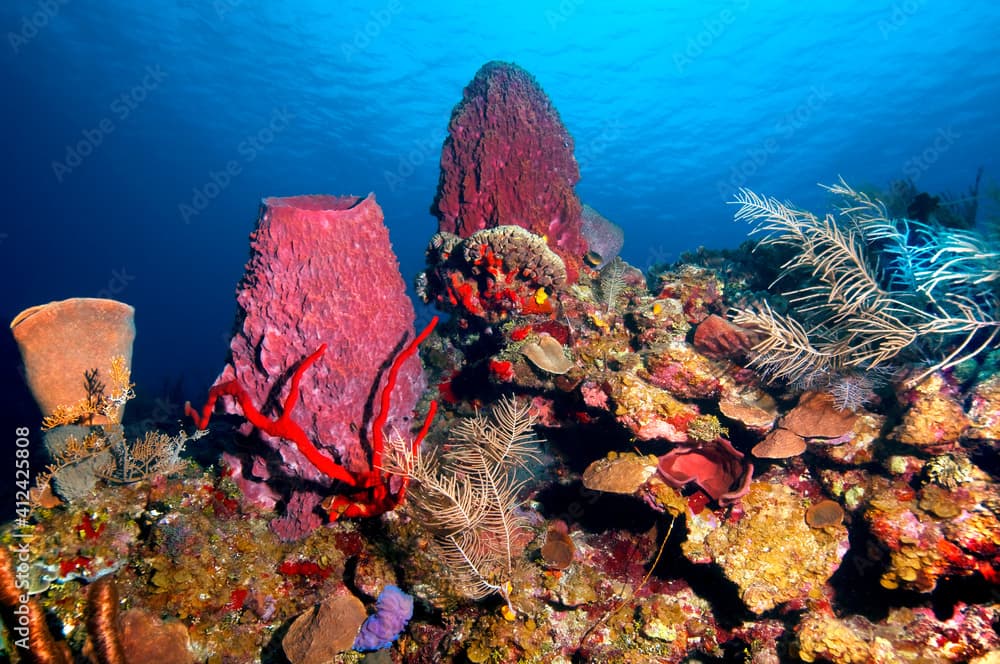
122	119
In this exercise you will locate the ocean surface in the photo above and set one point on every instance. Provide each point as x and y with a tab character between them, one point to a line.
140	137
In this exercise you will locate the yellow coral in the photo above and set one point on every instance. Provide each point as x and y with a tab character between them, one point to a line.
121	380
935	419
826	637
97	403
706	428
121	375
598	321
63	415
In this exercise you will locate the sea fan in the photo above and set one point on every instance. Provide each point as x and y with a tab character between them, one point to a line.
853	313
468	496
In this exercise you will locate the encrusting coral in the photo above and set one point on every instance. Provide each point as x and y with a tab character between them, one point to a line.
492	273
905	635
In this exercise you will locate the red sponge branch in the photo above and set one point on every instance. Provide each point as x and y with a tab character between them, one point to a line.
282	427
378	426
374	497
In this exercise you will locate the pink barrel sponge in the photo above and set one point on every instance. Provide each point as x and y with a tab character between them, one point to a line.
321	270
508	159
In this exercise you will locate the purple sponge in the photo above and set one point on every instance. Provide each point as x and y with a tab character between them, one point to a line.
393	610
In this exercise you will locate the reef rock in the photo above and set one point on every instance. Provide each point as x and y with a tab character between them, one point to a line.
770	552
679	369
905	635
619	473
935	419
984	413
650	412
942	530
508	159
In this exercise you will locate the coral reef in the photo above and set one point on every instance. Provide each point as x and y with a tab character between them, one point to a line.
609	470
770	552
934	418
936	532
906	635
597	486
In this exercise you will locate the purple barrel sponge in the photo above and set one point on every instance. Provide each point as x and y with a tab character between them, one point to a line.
393	610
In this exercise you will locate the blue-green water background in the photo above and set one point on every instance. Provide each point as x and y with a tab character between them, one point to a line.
120	117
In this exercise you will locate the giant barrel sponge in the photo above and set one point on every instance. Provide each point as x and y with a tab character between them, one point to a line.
321	271
508	160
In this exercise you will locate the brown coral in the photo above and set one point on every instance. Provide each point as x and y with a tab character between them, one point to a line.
650	412
816	416
779	444
935	419
619	473
905	635
824	514
558	549
984	413
751	407
717	337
